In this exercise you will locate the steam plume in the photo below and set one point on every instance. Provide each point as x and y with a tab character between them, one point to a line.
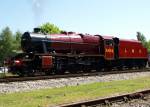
38	9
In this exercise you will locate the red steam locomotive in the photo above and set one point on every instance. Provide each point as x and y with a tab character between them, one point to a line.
72	52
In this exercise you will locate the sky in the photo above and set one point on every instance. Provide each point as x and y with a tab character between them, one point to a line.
119	18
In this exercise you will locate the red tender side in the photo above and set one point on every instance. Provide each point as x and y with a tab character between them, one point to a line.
132	49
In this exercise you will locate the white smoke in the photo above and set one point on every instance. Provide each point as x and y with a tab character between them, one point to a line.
38	7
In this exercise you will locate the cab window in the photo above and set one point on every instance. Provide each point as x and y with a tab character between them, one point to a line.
109	42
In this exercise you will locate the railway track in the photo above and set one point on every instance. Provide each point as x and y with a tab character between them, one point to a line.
108	101
17	79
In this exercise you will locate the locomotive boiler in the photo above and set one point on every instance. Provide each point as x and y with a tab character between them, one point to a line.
60	43
73	52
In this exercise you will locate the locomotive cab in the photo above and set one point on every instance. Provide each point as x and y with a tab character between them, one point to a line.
109	48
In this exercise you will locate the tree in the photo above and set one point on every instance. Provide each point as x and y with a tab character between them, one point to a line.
49	28
6	41
17	41
145	43
148	44
142	38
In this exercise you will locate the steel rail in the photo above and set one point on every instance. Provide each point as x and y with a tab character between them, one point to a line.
109	100
17	79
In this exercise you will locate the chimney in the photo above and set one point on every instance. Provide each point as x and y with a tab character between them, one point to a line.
37	30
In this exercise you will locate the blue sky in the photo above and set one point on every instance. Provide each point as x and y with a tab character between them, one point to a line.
121	18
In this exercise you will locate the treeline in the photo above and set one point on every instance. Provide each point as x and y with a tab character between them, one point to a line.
9	43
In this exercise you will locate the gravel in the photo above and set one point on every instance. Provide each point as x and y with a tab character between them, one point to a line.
52	83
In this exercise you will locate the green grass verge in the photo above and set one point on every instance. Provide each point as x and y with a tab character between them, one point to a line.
2	75
47	97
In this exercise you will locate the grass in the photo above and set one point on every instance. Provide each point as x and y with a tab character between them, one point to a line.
50	97
2	75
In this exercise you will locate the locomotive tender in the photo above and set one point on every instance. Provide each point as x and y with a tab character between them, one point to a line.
72	52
